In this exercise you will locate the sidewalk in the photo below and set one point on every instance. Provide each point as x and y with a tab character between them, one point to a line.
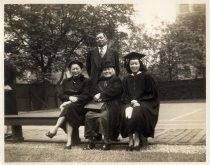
180	136
178	123
162	136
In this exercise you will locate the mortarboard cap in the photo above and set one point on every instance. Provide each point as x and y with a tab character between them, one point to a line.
134	55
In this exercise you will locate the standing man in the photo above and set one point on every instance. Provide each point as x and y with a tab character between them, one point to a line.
100	55
9	93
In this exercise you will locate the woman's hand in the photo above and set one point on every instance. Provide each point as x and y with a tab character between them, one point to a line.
7	88
135	103
73	98
128	112
97	97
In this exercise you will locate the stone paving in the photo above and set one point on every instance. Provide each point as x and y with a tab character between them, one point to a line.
162	136
179	123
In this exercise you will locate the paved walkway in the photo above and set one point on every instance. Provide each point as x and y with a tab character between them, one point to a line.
162	136
179	123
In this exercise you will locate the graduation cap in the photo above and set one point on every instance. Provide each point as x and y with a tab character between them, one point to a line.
134	55
131	56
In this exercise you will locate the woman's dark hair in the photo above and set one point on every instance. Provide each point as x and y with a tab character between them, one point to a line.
127	66
75	62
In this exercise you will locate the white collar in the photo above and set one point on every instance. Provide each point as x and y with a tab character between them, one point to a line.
136	73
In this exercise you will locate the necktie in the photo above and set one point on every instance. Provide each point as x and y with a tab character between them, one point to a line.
101	52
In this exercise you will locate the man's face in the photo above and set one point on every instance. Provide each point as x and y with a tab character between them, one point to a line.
101	39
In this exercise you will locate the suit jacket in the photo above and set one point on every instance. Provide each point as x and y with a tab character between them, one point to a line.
94	63
10	96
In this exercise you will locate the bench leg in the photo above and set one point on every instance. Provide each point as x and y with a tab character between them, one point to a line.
75	136
17	133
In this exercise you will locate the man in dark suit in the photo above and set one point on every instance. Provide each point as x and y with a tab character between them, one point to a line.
9	93
100	55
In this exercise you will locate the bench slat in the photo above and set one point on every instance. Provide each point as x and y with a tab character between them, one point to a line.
17	120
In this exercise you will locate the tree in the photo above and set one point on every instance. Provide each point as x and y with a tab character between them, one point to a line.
191	39
46	37
183	46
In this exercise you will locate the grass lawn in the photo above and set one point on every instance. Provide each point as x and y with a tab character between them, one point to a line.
54	152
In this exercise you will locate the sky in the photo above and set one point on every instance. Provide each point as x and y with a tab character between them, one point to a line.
152	12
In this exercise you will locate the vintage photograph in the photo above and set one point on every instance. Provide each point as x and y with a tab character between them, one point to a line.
105	82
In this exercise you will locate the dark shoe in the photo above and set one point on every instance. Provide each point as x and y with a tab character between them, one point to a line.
98	137
115	140
136	148
90	146
129	148
67	147
106	147
50	135
7	136
143	141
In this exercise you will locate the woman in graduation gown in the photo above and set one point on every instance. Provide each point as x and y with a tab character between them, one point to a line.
75	95
106	122
140	103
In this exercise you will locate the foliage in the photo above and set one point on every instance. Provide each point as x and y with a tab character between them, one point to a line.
43	38
48	36
183	47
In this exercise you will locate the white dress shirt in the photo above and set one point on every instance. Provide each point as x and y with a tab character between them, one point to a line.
102	50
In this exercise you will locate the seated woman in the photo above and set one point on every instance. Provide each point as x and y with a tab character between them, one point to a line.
106	121
75	95
141	103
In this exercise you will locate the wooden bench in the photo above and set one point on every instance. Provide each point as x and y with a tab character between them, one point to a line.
40	118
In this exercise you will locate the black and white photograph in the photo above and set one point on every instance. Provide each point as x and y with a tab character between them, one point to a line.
104	81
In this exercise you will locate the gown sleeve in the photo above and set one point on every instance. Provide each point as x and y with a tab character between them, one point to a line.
125	98
150	92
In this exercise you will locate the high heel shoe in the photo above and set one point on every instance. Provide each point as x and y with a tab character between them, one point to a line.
136	148
67	147
129	148
50	135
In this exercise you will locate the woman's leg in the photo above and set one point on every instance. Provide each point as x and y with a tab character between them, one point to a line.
137	139
130	139
8	133
69	130
58	124
9	129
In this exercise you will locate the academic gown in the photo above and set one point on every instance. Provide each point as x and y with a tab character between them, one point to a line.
140	87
